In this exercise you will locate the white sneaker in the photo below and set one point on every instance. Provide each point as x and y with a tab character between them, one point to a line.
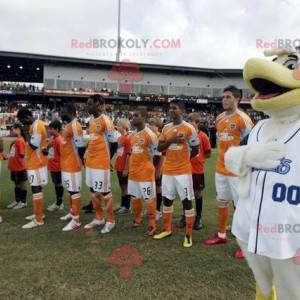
12	205
1	219
108	227
71	226
67	217
30	218
20	205
158	215
94	223
32	224
54	207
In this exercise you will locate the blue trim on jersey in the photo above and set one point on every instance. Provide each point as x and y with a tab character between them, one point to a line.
292	136
259	211
258	131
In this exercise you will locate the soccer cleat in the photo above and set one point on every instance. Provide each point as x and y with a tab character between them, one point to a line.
158	215
216	240
94	224
108	227
54	207
162	235
72	225
198	224
239	254
12	204
67	217
259	295
181	222
30	218
32	224
150	232
188	242
121	210
20	205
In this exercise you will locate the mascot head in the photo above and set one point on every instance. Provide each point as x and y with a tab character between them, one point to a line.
276	83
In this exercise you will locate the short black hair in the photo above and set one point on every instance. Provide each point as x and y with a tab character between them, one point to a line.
70	107
17	125
23	113
97	99
179	103
234	90
56	124
142	111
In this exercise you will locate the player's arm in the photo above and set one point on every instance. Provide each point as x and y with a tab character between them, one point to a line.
1	145
165	144
193	142
112	137
79	144
206	146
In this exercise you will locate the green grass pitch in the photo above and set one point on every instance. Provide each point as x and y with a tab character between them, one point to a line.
46	263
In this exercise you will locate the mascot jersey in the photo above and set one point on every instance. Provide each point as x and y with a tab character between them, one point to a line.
273	207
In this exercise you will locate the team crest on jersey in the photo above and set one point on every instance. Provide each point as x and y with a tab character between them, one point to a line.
283	168
232	126
98	127
142	142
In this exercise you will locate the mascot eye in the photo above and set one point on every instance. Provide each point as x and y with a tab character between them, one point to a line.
290	64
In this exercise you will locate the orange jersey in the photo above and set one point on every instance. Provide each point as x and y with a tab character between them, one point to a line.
72	139
102	132
16	161
35	159
143	147
177	159
54	154
122	152
230	131
198	161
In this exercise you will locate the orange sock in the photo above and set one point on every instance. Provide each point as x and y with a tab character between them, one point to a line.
223	215
137	206
38	206
75	207
189	221
109	205
70	202
167	217
96	200
151	210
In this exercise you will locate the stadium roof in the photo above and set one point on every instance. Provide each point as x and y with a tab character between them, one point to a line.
28	67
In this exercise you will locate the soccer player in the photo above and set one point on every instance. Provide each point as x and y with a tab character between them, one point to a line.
122	164
16	165
155	125
179	140
198	163
102	146
71	159
35	136
54	164
141	179
232	126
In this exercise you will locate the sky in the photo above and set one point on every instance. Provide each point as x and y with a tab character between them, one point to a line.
204	33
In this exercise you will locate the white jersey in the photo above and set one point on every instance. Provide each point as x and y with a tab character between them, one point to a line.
269	218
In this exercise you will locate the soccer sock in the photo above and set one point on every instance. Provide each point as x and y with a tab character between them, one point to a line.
23	195
189	221
17	194
96	200
158	201
59	190
123	200
109	205
151	210
127	201
75	206
223	215
137	206
199	205
38	206
167	217
70	202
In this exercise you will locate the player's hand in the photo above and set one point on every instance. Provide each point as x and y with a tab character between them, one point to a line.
264	155
178	139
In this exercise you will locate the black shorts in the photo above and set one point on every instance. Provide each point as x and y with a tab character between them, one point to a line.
122	180
18	176
56	177
198	181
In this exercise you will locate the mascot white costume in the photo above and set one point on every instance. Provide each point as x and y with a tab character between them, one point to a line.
267	218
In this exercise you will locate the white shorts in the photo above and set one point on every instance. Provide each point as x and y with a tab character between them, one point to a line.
225	188
71	181
38	177
98	180
142	189
182	184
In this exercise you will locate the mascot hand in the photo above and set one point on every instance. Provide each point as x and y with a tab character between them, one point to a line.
264	155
